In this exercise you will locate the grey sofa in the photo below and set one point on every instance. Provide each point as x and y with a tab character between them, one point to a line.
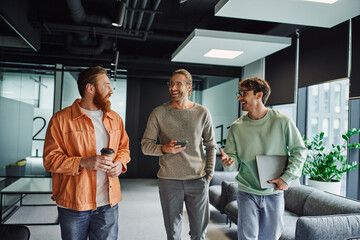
310	214
217	199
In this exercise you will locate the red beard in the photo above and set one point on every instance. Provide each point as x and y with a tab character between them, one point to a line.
102	102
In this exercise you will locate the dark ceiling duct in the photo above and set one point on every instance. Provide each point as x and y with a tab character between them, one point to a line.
79	16
98	48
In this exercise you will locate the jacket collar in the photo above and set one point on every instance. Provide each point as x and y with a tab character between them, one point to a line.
77	113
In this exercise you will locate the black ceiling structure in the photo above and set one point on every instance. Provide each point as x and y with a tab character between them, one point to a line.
80	33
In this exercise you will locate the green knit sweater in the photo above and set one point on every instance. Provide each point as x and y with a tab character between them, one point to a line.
274	134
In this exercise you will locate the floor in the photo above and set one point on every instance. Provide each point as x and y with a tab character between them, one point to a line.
140	215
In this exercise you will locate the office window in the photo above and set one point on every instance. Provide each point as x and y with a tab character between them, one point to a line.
314	126
326	97
337	98
332	115
325	129
337	133
314	93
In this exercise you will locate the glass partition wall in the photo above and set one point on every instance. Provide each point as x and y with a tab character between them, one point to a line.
27	105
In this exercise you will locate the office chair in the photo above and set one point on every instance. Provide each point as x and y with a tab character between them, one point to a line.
14	232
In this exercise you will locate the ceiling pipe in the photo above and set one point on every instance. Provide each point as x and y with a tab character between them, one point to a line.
141	14
125	17
87	50
79	16
132	15
151	18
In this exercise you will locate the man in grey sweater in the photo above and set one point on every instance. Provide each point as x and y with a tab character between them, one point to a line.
185	172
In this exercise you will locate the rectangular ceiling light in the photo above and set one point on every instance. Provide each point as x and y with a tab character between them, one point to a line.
236	49
323	1
218	53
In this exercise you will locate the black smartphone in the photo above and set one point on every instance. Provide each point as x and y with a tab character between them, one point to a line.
181	142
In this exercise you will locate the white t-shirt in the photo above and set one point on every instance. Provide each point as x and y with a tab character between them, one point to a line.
102	140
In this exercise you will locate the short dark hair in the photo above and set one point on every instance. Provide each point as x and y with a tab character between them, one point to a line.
258	85
87	76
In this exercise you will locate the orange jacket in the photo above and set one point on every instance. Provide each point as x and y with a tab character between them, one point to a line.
71	136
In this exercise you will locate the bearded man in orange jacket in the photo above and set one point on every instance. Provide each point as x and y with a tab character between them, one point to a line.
86	186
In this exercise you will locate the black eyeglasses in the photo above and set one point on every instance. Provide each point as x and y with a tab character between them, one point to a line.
242	93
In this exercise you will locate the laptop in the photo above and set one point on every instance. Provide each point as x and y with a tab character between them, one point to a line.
270	167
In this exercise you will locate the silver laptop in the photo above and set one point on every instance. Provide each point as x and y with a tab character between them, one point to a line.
270	167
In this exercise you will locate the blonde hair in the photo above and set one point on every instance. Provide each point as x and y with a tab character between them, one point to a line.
185	73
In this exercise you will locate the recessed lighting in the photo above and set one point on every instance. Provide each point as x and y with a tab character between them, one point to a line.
218	53
323	1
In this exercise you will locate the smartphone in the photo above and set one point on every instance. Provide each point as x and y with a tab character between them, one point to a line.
181	142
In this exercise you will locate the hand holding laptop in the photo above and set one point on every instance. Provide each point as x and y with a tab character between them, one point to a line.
225	159
280	184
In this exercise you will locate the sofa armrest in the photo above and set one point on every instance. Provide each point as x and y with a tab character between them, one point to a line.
228	193
220	176
334	227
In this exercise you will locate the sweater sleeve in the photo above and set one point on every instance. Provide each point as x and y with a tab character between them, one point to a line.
297	153
210	145
230	150
148	142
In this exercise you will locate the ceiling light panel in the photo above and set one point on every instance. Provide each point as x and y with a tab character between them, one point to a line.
254	47
299	12
219	53
323	1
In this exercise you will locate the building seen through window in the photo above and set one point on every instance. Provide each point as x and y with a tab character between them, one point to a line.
328	110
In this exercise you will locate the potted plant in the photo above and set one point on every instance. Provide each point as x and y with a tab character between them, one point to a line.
325	166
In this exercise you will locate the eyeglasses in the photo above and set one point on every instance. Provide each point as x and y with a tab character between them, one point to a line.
178	84
242	93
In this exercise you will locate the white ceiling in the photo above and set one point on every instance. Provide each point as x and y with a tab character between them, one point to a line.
299	12
254	46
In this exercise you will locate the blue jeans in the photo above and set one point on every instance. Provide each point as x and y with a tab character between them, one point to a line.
99	224
260	217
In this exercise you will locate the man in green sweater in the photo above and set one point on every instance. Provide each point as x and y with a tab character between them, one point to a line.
261	131
185	171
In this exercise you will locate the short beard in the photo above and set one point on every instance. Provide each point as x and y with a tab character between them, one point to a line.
102	102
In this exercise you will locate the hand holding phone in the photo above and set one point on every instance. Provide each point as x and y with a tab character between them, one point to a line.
181	142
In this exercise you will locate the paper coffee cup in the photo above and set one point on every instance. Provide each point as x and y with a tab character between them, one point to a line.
107	152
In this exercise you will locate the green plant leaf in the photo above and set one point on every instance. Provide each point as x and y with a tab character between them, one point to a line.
324	164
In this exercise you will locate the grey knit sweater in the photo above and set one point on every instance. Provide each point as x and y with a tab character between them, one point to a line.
192	124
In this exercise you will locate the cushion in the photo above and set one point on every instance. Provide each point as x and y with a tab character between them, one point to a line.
334	227
215	196
289	226
231	211
295	198
220	176
322	203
